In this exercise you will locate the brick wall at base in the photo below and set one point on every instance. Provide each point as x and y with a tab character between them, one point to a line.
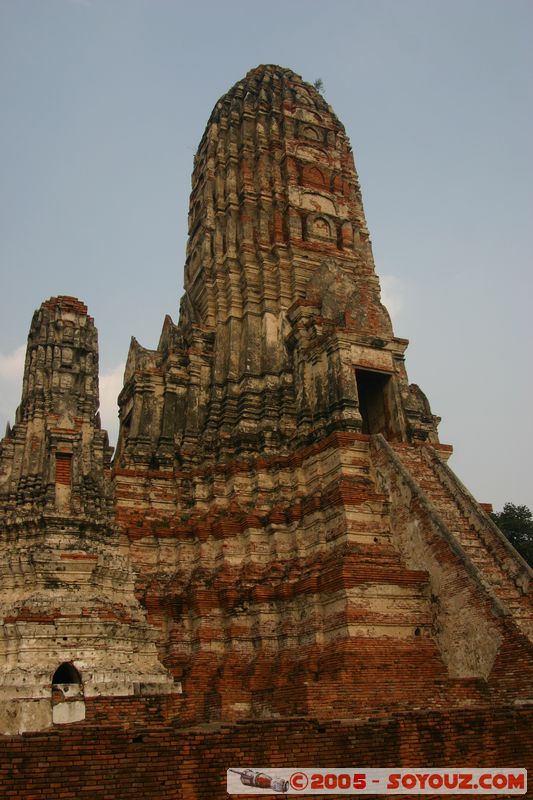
169	763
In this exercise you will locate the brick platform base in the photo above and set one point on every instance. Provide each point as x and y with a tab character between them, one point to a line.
171	763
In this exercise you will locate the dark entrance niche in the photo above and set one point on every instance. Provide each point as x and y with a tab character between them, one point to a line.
68	703
66	673
375	402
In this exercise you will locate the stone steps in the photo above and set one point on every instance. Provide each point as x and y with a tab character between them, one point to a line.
459	526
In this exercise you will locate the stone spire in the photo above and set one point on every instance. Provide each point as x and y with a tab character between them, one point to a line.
72	629
275	194
55	456
282	303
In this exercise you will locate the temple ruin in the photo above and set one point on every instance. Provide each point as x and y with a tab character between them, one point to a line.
277	551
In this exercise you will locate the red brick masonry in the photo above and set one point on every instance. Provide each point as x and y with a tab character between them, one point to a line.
171	763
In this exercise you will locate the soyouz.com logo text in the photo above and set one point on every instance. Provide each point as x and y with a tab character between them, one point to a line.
408	781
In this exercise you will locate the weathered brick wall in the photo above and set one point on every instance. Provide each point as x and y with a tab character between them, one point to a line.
169	763
132	712
297	578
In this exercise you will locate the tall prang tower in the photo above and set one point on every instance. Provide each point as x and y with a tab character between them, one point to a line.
283	486
279	262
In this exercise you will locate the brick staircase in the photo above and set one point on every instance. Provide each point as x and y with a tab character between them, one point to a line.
501	570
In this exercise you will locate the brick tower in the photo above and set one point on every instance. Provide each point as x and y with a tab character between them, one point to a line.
303	548
72	628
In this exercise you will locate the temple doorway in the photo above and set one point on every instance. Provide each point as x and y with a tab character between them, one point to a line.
375	402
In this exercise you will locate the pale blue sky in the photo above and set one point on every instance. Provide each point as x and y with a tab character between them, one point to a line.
103	103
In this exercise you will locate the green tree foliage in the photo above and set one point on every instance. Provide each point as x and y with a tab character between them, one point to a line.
319	84
516	523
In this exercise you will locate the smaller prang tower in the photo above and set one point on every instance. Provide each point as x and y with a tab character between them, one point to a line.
55	458
73	631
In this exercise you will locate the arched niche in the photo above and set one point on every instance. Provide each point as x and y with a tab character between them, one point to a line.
310	132
319	228
66	673
313	176
68	702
